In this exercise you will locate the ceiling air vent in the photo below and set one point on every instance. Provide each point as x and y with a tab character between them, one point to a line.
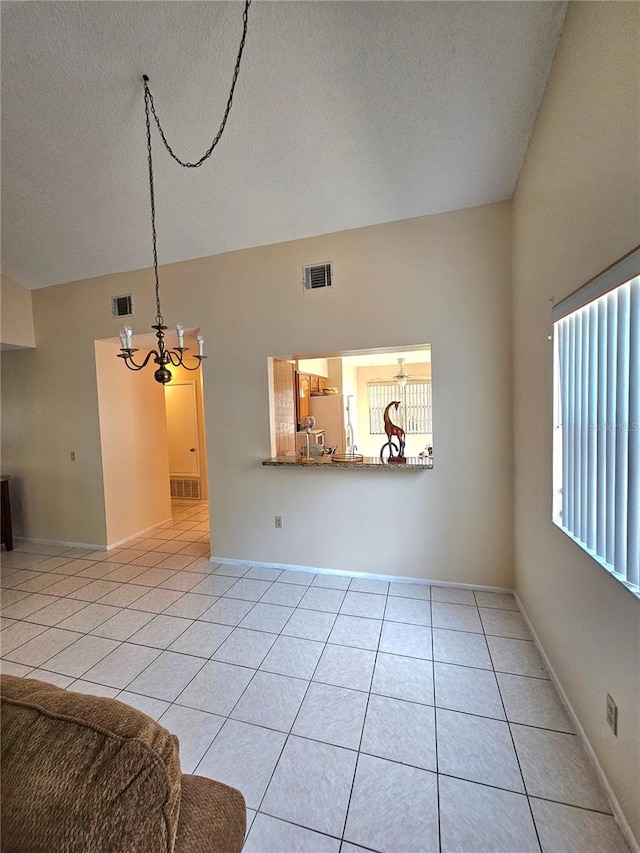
121	306
317	276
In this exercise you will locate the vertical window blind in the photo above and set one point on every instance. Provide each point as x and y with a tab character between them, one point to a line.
417	405
596	465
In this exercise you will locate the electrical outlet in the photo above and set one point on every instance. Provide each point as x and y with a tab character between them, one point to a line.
612	715
73	455
279	522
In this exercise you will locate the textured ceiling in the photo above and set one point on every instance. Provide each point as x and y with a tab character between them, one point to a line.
346	114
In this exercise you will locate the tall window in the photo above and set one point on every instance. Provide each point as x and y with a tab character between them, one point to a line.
596	449
417	406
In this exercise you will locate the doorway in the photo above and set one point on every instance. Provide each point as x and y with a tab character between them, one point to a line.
142	484
182	430
185	436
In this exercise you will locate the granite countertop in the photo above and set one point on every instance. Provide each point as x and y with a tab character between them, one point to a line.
371	462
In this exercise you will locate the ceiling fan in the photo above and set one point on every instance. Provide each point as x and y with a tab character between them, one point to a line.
402	377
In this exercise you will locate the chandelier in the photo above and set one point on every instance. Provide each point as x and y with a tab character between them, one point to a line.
162	356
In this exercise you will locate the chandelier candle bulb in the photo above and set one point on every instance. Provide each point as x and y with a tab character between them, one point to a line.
123	340
180	332
200	345
128	333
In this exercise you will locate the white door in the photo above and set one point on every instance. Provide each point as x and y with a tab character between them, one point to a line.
182	430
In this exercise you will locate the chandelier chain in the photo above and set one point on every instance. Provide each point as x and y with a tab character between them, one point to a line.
159	319
164	356
149	109
236	71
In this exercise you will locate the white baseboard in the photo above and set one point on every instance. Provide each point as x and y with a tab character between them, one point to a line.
367	575
146	532
613	801
60	543
90	545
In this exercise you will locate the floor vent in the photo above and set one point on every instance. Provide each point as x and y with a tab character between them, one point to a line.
185	488
317	276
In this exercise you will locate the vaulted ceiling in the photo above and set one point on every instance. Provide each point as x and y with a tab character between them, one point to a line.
346	114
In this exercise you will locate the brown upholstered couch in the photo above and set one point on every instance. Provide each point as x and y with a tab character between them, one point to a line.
83	774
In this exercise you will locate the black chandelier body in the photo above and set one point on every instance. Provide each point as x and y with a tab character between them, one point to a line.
162	356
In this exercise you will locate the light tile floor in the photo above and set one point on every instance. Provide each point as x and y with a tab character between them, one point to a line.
352	713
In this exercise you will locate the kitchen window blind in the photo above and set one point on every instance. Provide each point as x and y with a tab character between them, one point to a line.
416	419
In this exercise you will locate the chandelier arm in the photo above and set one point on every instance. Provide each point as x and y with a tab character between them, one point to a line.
177	359
174	358
128	360
236	71
196	366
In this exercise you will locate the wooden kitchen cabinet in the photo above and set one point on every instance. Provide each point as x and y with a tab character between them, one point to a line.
303	396
307	384
317	384
284	391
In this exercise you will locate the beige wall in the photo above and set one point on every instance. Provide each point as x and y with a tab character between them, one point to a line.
49	409
576	211
135	461
315	366
334	373
451	277
350	389
16	314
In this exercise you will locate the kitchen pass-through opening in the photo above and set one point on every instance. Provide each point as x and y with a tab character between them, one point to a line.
335	403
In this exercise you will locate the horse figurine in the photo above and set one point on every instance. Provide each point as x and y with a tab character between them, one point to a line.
392	430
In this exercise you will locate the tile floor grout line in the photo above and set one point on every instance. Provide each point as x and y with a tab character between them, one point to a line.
211	658
177	572
95	663
513	743
174	640
364	723
287	734
29	621
299	825
435	731
206	660
42	592
82	609
50	627
59	579
572	805
149	587
129	683
81	677
161	649
120	644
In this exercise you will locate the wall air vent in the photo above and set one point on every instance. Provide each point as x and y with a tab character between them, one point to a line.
181	488
317	276
122	306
